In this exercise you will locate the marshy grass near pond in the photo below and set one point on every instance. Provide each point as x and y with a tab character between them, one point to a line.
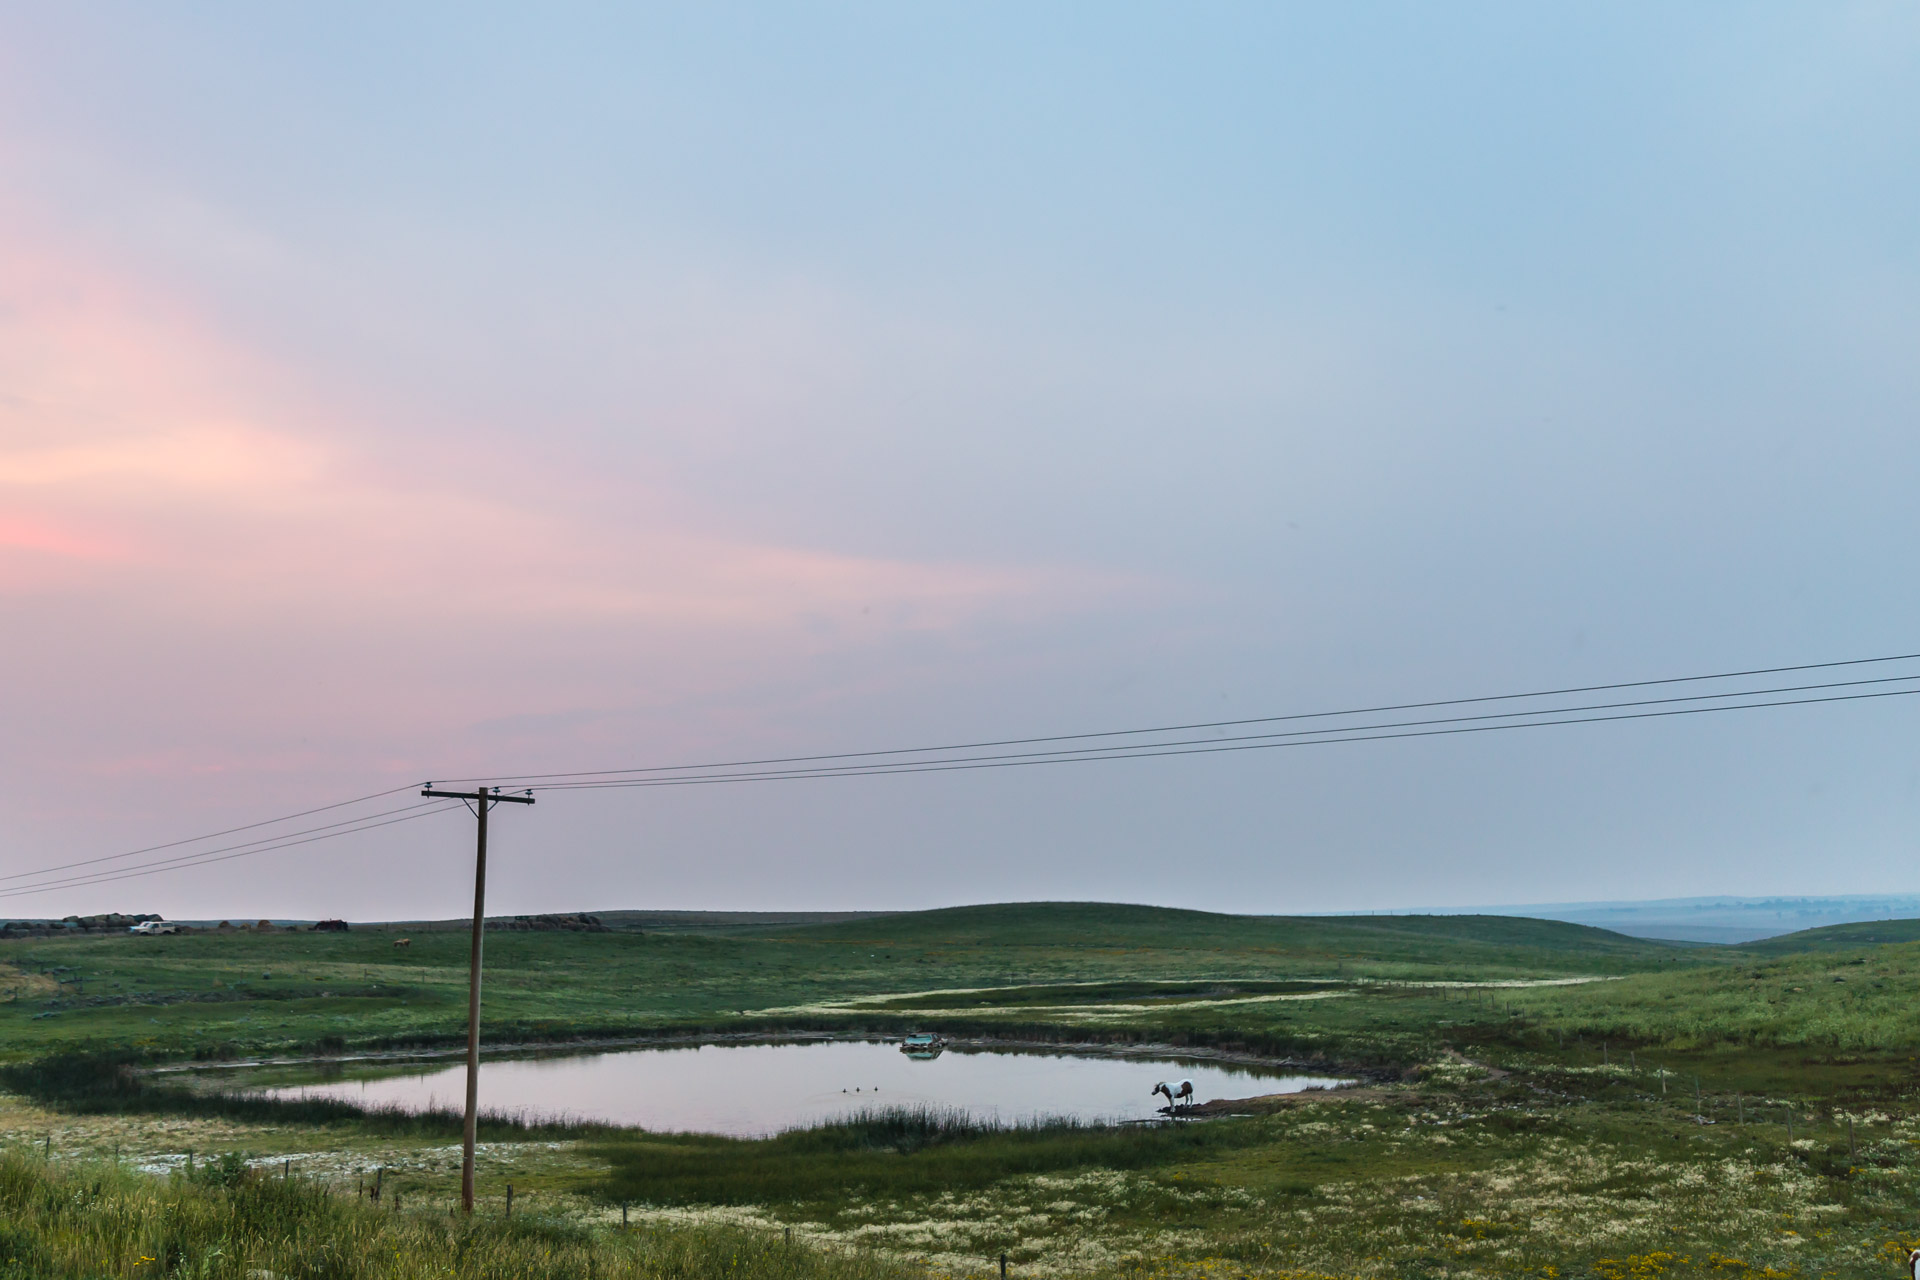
891	1151
106	1083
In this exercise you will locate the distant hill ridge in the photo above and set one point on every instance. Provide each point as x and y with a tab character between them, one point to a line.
1839	937
1101	924
1495	935
1539	944
1722	918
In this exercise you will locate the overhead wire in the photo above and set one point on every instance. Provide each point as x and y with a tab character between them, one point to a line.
551	780
408	814
215	835
1357	733
226	853
1097	746
44	871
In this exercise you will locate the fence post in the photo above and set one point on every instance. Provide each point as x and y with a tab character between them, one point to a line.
1851	1156
509	1199
623	1215
1003	1267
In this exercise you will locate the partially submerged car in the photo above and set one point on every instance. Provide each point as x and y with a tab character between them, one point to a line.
923	1045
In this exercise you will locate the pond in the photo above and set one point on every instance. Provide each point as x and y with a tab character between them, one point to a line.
753	1090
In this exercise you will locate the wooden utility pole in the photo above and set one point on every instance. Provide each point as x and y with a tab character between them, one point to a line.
480	802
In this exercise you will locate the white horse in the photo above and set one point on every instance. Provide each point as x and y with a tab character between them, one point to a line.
1174	1093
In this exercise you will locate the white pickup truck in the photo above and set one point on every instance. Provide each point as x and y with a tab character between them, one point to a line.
154	926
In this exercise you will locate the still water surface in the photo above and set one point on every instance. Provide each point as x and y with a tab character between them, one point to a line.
752	1090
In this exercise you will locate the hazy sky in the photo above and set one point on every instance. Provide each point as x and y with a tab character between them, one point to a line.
401	392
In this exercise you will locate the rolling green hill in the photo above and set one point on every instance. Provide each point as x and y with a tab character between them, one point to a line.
1439	939
1838	937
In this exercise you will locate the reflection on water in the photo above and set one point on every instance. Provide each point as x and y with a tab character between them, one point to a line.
751	1090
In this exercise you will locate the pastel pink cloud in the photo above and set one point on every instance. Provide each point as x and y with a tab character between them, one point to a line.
212	526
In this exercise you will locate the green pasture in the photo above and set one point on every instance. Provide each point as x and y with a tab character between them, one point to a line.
1540	1099
247	992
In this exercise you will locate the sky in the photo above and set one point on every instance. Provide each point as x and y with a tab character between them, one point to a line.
406	392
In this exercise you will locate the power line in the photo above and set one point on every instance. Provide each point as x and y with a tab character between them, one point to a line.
215	835
26	875
1149	751
1100	746
131	873
553	779
227	854
408	814
1118	752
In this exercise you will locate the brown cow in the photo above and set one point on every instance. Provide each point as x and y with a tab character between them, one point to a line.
403	942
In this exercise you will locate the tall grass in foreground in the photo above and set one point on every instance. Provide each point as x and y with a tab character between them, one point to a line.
896	1151
99	1220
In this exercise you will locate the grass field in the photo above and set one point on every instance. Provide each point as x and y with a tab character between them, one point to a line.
1545	1099
246	992
94	1219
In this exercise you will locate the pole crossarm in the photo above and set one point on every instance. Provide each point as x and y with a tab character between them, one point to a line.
482	794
